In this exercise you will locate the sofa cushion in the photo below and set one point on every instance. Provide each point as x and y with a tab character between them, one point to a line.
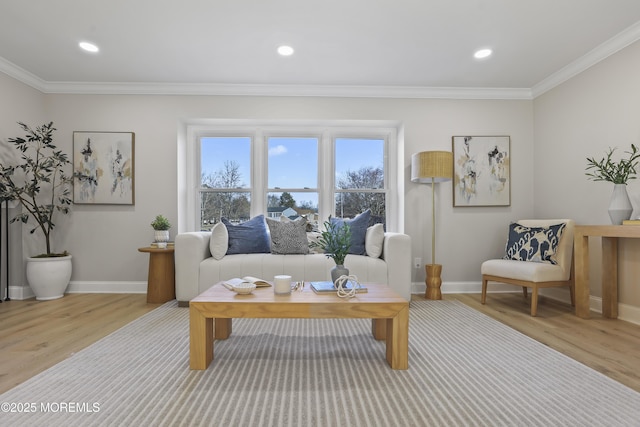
219	241
288	237
536	244
249	237
358	227
373	240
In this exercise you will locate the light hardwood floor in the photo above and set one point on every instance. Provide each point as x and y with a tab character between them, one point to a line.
36	335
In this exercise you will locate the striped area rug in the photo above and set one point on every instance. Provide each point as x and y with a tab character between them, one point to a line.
465	369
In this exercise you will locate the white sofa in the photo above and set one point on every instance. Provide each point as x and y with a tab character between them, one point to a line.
196	270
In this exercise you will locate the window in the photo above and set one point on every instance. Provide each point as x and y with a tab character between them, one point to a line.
240	169
225	173
293	177
359	182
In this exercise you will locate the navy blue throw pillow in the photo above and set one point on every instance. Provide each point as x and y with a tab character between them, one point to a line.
358	226
536	244
249	237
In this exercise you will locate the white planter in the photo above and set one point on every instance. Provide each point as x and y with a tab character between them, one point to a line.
620	207
49	277
161	235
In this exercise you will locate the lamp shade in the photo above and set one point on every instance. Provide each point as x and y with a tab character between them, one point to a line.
431	166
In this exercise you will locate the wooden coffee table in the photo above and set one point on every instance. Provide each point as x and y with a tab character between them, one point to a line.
211	314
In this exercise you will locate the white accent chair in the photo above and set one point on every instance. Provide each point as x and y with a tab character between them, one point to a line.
535	275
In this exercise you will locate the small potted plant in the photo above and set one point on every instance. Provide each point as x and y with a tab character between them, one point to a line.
161	225
40	184
618	173
335	241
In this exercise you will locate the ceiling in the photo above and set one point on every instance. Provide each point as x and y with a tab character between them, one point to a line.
361	47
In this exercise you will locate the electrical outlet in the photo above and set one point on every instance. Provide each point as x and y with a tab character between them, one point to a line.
417	262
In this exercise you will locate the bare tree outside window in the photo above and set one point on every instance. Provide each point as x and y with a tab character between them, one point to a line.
351	203
215	204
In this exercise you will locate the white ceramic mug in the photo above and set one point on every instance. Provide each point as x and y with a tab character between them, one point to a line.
282	284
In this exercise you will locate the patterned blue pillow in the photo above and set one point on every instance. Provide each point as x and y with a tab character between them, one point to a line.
536	244
249	237
358	226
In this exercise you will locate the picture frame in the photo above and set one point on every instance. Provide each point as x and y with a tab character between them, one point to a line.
104	168
481	171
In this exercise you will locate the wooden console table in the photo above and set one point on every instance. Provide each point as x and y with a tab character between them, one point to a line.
610	235
161	285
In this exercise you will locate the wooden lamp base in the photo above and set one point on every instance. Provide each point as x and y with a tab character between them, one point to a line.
433	281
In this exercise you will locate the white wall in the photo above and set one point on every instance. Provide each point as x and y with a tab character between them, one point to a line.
598	109
104	239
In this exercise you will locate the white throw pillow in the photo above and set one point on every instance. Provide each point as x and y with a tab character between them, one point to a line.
219	241
373	240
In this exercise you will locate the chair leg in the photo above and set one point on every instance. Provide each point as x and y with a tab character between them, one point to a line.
534	301
572	294
524	292
483	299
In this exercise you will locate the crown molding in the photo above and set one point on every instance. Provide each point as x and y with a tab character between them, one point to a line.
591	58
22	75
287	90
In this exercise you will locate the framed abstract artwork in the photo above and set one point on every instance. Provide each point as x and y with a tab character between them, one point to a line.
103	168
481	171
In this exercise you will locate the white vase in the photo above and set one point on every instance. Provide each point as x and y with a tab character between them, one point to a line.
49	277
620	207
161	235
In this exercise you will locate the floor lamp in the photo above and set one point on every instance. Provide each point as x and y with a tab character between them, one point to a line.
430	167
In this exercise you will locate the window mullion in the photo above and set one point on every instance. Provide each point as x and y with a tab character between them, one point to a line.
259	173
326	177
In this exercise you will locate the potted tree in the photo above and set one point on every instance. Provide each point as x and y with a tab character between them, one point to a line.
41	185
161	225
618	173
335	241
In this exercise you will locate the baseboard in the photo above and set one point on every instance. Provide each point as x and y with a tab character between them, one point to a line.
20	292
107	288
626	312
462	288
25	292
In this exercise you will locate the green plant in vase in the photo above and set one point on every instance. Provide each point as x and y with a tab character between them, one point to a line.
619	173
606	169
335	241
39	183
161	225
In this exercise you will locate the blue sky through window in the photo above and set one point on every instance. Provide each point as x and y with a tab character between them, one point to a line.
215	151
352	154
292	161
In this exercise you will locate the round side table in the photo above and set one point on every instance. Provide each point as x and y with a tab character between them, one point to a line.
161	286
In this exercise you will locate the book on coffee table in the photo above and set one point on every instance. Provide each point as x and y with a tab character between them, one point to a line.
260	283
327	287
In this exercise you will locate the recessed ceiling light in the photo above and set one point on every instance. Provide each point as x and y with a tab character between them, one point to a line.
89	47
285	50
482	53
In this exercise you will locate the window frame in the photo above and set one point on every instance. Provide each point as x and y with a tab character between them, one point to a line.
189	173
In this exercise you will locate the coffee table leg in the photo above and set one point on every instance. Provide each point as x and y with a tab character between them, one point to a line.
200	339
222	328
398	340
379	328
